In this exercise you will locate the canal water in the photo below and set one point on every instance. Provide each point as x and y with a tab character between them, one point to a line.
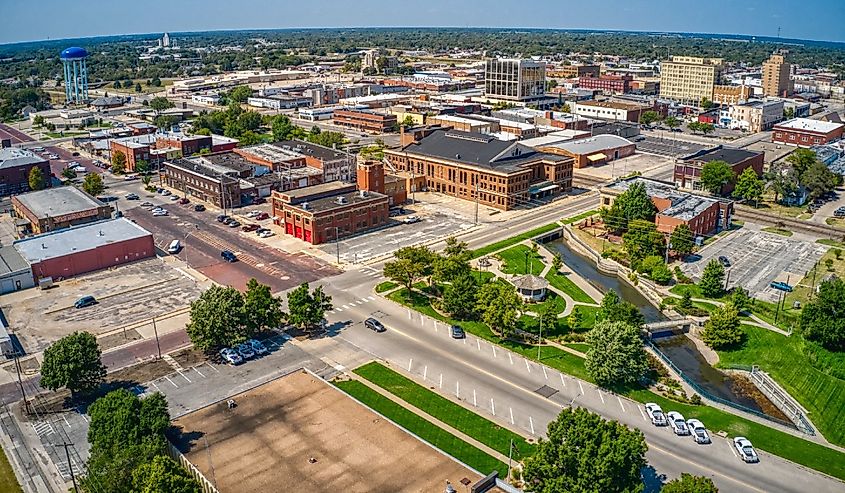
679	349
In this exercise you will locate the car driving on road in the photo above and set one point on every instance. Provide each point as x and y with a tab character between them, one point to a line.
745	449
228	256
374	325
678	423
655	414
698	431
85	301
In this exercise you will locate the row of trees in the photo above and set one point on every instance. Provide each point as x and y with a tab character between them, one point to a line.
801	168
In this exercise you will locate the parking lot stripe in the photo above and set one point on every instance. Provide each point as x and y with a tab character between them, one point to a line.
66	421
441	380
731	446
511	410
154	385
620	403
494	350
425	372
200	373
510	357
527	365
642	413
600	396
212	367
474	401
581	387
562	380
183	375
544	371
531	423
371	298
493	406
171	381
458	389
410	362
478	343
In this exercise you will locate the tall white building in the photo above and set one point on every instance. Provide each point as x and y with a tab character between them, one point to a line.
165	40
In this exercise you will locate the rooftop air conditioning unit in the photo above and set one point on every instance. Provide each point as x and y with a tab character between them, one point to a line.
364	193
341	200
304	205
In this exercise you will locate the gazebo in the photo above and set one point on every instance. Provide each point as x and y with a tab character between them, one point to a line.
531	287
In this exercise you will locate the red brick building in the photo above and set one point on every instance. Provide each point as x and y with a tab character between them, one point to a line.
688	173
804	132
133	151
187	144
15	166
366	121
608	84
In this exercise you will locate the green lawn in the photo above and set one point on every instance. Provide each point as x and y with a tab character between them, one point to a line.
8	481
577	218
783	444
513	240
565	284
578	346
809	380
554	303
461	450
514	261
385	286
454	415
829	242
777	231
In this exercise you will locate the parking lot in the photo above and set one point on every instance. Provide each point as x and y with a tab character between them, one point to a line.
647	164
126	294
758	258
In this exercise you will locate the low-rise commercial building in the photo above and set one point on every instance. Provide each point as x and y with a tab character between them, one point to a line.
728	95
573	71
365	121
15	273
15	166
804	132
687	172
608	84
90	247
592	151
132	149
56	208
203	181
610	110
472	166
755	116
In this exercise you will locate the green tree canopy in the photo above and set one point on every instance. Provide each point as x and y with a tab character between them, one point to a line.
715	175
712	279
642	240
453	262
240	94
36	179
688	483
217	319
142	166
283	129
93	184
163	475
459	297
261	309
616	355
821	321
411	264
801	160
500	306
631	205
672	122
327	139
740	299
749	186
306	309
73	362
585	453
160	104
819	179
682	240
118	163
613	309
649	117
722	330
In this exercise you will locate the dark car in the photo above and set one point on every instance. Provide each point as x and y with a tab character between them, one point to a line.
199	207
222	218
724	261
250	227
183	200
374	325
85	301
262	216
457	332
781	286
228	256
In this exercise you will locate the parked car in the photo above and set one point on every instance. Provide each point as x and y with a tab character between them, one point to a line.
457	332
85	301
184	200
146	204
159	213
131	196
678	423
745	449
262	216
266	234
231	356
245	350
252	214
75	154
374	325
257	346
724	261
222	218
199	207
73	164
698	431
782	286
228	256
130	177
249	228
174	198
411	220
165	192
234	224
655	414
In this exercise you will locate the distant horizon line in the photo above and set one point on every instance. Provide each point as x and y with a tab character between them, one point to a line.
770	39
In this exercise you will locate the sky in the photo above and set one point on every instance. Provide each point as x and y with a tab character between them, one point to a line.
29	20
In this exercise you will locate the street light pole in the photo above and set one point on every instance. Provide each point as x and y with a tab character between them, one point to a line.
337	242
540	340
158	344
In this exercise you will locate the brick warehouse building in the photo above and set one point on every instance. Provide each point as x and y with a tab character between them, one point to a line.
687	173
804	132
95	246
365	120
505	174
609	84
56	208
15	166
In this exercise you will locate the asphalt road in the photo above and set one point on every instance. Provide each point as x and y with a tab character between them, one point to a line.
15	135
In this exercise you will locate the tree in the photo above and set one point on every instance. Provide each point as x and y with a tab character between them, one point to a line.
118	163
408	121
453	263
801	160
240	94
327	139
707	128
688	483
740	299
575	319
819	179
630	205
69	173
557	262
712	279
411	264
160	104
685	303
36	178
783	179
649	117
142	166
616	355
138	87
283	129
706	103
587	454
660	274
261	309
672	122
163	475
305	308
217	319
73	362
93	184
715	175
156	82
642	240
613	309
116	84
500	306
821	321
38	121
722	330
681	240
748	186
459	297
694	126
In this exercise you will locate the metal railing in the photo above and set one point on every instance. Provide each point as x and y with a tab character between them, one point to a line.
707	395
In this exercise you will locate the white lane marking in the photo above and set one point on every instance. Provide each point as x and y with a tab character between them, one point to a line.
510	357
492	406
199	372
212	367
531	422
422	320
465	340
338	309
435	326
544	371
85	418
478	343
474	401
458	389
642	413
425	372
371	298
171	381
620	403
733	451
511	410
345	306
410	361
66	421
562	380
600	396
154	385
441	380
360	302
527	366
183	375
409	314
581	387
494	350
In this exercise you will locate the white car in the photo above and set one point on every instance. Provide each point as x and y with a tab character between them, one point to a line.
231	356
678	423
655	414
159	213
73	163
698	431
252	214
265	234
411	220
745	449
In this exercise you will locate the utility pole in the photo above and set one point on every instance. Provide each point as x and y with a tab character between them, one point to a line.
510	453
540	340
476	202
337	242
70	466
20	382
158	344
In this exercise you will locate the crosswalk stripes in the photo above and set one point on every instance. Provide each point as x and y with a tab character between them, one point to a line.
42	428
352	304
65	472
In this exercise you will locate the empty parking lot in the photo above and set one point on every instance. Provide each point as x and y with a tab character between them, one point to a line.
758	258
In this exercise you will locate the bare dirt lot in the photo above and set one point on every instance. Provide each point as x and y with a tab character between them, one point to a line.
264	444
127	294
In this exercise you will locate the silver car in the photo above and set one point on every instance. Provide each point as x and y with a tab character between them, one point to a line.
655	414
698	431
745	449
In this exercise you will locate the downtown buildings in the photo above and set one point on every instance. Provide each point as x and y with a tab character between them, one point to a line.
514	80
688	79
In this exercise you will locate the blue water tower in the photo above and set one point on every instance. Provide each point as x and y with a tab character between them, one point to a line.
76	74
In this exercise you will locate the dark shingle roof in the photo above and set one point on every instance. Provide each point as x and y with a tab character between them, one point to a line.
729	155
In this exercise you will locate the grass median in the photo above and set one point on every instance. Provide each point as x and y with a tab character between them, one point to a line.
445	441
8	481
454	415
513	240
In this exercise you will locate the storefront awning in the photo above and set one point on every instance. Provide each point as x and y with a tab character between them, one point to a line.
545	189
596	157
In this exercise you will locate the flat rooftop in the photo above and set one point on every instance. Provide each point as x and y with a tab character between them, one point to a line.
591	145
729	155
309	149
78	239
809	125
58	201
331	202
11	260
11	157
267	440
